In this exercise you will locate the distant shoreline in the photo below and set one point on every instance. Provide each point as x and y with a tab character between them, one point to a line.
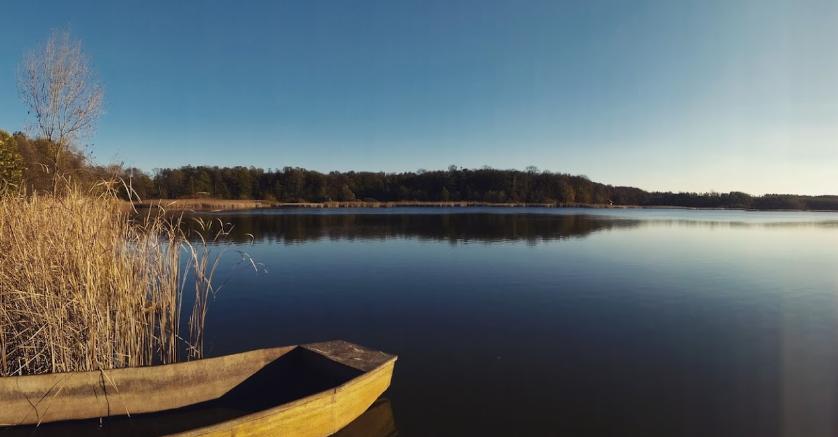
230	204
212	205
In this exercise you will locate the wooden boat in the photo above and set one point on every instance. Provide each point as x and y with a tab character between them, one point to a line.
307	390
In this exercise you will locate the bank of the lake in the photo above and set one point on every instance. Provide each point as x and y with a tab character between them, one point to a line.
211	204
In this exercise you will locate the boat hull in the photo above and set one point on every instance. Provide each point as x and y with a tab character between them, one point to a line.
347	380
322	414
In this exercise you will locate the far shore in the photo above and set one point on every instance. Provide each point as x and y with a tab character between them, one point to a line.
214	205
208	204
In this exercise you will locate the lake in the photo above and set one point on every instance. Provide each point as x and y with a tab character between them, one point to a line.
556	321
542	322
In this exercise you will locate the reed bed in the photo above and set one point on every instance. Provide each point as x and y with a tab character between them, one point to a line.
88	284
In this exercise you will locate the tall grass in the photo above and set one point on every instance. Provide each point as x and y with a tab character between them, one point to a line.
87	284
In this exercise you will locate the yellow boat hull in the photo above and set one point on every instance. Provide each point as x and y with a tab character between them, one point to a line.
348	377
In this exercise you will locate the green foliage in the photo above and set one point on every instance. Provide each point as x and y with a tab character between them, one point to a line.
37	159
11	162
445	195
346	194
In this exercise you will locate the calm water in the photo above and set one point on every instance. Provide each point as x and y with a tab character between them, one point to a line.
557	322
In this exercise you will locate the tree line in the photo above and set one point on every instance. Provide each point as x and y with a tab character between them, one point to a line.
26	162
294	184
31	165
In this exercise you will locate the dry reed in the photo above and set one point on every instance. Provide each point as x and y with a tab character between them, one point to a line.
86	284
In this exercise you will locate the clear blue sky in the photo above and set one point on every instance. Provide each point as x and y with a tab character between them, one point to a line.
678	95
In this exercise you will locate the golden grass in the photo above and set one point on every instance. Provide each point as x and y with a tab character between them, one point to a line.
203	204
87	285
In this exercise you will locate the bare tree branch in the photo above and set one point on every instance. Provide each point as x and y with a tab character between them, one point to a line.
60	92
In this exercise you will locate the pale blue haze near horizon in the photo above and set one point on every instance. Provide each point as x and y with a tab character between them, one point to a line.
664	95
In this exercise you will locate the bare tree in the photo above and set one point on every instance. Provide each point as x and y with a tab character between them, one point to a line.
60	92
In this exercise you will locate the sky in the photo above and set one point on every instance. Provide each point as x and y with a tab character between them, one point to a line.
709	95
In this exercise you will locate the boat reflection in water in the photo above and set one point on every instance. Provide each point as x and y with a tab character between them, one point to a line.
377	421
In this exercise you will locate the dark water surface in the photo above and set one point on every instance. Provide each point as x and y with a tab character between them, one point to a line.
557	322
554	322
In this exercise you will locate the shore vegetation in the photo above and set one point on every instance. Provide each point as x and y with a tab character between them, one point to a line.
88	284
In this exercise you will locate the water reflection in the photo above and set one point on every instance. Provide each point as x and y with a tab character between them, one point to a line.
459	225
454	228
732	224
377	421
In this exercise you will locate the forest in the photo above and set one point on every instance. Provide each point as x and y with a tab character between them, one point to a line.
28	160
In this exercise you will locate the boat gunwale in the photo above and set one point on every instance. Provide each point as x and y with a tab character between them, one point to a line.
178	364
47	386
